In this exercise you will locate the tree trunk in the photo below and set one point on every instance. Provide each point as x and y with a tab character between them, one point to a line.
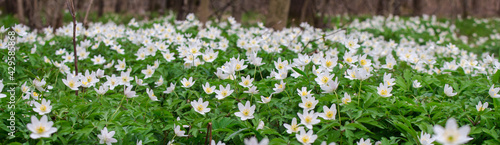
278	14
20	11
203	11
237	10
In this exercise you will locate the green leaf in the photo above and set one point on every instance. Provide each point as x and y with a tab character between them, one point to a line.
496	77
235	133
299	71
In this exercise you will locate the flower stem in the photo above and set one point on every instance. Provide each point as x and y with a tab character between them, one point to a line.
118	106
359	92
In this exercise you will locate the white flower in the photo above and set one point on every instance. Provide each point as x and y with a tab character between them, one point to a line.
43	108
329	113
40	128
346	99
304	92
384	90
494	92
139	82
265	100
178	131
148	72
72	82
102	89
252	90
200	106
246	81
159	82
129	93
480	107
139	142
308	103
1	88
308	119
306	138
362	141
218	143
106	137
425	139
208	89
388	80
330	86
451	135
151	94
246	112
254	141
416	84
187	83
278	88
98	60
324	78
261	125
294	127
121	65
223	92
448	90
170	89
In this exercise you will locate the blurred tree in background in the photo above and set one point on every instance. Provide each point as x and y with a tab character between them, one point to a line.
275	13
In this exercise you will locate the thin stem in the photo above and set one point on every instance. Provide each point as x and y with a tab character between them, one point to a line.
338	107
359	92
118	106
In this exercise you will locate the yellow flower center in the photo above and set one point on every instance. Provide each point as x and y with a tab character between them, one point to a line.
451	138
187	84
238	66
363	62
325	79
246	82
308	104
329	114
246	112
294	127
43	108
200	107
351	44
280	66
208	90
40	129
304	93
71	84
308	119
349	59
329	63
305	139
384	92
223	93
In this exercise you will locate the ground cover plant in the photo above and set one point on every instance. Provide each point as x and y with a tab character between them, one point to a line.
378	80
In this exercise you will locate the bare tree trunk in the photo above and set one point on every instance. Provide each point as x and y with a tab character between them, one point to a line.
100	6
34	20
203	11
20	11
304	10
278	14
237	10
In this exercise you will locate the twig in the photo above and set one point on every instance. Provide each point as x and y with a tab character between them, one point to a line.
71	9
87	14
208	140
